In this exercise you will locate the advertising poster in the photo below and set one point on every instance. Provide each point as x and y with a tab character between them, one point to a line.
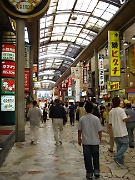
7	86
114	53
8	52
27	80
7	103
8	69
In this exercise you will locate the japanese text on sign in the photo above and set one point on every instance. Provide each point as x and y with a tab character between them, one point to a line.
114	53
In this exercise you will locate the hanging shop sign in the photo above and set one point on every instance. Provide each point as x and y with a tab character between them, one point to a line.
27	56
114	55
8	52
69	91
27	80
55	91
113	86
64	86
35	70
7	86
101	69
8	69
25	8
75	72
89	79
69	82
84	75
7	103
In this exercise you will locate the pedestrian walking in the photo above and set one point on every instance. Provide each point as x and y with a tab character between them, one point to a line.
58	115
117	118
130	124
45	110
89	135
72	110
34	115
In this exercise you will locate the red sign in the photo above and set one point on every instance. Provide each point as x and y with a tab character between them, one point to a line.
27	80
64	86
8	69
8	86
8	52
69	82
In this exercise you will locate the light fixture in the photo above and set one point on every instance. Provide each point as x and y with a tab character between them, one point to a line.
125	43
133	37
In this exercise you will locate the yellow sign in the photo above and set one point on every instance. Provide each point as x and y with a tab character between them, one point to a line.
113	86
25	6
114	53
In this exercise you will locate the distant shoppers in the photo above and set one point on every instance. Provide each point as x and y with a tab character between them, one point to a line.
101	110
117	118
58	115
34	115
109	129
95	106
130	124
72	110
45	110
81	110
90	130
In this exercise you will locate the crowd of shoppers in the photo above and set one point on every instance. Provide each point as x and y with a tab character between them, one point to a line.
91	118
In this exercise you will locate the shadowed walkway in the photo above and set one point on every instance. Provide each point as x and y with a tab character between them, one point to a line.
45	161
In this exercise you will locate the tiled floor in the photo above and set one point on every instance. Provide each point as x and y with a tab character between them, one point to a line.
45	161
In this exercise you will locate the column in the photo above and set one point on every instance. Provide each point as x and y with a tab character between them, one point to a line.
20	100
96	73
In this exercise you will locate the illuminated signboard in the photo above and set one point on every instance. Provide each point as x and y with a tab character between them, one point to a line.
113	86
7	103
8	52
8	69
27	80
7	86
101	69
114	54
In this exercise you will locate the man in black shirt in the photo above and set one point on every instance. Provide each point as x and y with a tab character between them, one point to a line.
58	115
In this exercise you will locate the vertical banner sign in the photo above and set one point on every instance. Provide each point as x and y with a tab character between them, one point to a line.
27	80
27	56
8	77
8	52
114	55
75	72
89	79
84	75
101	69
69	82
131	58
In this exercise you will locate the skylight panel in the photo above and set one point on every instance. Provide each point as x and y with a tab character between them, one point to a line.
98	12
92	5
85	42
100	23
56	38
79	41
102	5
66	4
61	18
107	16
59	29
73	30
69	38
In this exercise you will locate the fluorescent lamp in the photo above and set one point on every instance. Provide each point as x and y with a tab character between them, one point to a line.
133	37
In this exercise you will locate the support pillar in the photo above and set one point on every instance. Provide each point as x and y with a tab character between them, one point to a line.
20	99
96	74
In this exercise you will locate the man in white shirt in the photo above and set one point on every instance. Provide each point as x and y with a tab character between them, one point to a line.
117	118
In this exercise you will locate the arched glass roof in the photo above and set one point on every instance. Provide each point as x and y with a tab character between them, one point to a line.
66	29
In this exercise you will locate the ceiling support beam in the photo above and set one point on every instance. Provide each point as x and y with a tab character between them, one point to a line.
120	19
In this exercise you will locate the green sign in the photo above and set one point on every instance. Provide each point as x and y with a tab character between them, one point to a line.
70	97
